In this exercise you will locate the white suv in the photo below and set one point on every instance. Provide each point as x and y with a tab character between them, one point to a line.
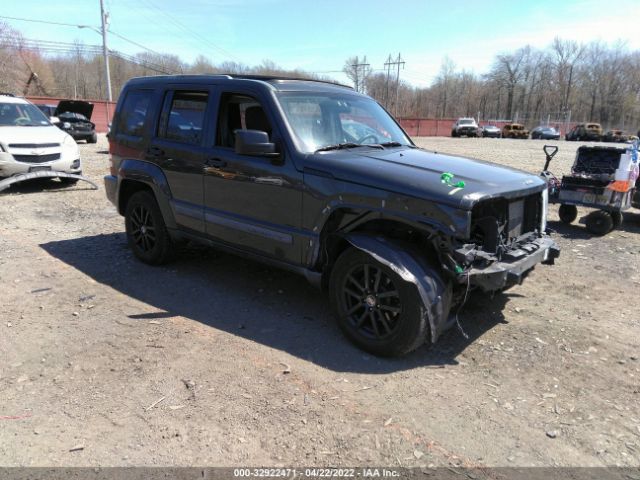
465	126
29	142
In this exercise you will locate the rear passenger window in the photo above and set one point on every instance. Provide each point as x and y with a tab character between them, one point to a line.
185	119
134	112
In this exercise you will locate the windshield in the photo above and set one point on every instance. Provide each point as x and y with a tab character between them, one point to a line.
466	122
321	120
21	115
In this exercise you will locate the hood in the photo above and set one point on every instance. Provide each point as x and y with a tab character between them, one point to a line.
417	173
31	135
75	106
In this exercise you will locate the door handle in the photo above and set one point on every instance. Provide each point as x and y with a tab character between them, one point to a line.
215	163
155	152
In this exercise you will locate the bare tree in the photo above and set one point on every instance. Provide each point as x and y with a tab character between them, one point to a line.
357	70
567	54
508	71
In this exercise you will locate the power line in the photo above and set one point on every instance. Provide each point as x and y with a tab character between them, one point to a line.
134	43
41	21
66	48
122	37
189	31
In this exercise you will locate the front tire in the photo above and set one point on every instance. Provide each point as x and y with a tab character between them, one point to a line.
567	213
147	233
93	138
377	310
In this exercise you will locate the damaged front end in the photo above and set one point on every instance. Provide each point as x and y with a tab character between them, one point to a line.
507	239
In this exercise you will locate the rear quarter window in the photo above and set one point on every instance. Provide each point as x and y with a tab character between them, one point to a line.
133	113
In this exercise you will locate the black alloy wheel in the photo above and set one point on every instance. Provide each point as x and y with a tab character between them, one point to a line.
143	229
372	301
147	234
375	308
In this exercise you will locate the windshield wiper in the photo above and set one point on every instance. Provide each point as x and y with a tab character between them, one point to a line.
396	144
341	146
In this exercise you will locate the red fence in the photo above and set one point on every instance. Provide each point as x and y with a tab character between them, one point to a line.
416	127
102	110
427	127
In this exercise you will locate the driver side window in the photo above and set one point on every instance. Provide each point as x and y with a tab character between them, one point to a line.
239	112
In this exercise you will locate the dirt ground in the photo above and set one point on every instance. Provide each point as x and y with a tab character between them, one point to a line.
215	360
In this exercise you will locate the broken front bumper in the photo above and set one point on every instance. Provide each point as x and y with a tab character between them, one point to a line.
514	268
9	166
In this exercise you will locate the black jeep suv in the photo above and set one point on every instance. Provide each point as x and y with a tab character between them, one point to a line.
321	180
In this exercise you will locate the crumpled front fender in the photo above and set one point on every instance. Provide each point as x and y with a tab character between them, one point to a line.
412	267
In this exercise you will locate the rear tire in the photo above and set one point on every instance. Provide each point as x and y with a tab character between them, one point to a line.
147	233
93	138
377	310
617	219
599	222
567	213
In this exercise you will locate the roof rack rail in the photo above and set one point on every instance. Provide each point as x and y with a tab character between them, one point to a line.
7	94
280	77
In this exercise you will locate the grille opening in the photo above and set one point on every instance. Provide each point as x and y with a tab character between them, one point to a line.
37	158
33	145
489	219
497	223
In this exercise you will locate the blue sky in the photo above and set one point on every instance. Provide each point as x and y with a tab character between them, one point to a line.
319	35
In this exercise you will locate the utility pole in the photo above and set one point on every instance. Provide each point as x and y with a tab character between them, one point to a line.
105	52
399	62
388	64
360	85
357	69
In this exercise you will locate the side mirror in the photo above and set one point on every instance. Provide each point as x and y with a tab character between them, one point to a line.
254	142
54	120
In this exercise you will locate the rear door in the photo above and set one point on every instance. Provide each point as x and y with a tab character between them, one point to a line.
177	147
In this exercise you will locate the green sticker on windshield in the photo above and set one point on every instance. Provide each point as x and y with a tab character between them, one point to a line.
447	179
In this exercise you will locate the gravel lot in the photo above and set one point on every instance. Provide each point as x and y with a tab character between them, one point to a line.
214	360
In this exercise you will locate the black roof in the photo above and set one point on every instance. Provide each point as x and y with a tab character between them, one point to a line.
276	82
